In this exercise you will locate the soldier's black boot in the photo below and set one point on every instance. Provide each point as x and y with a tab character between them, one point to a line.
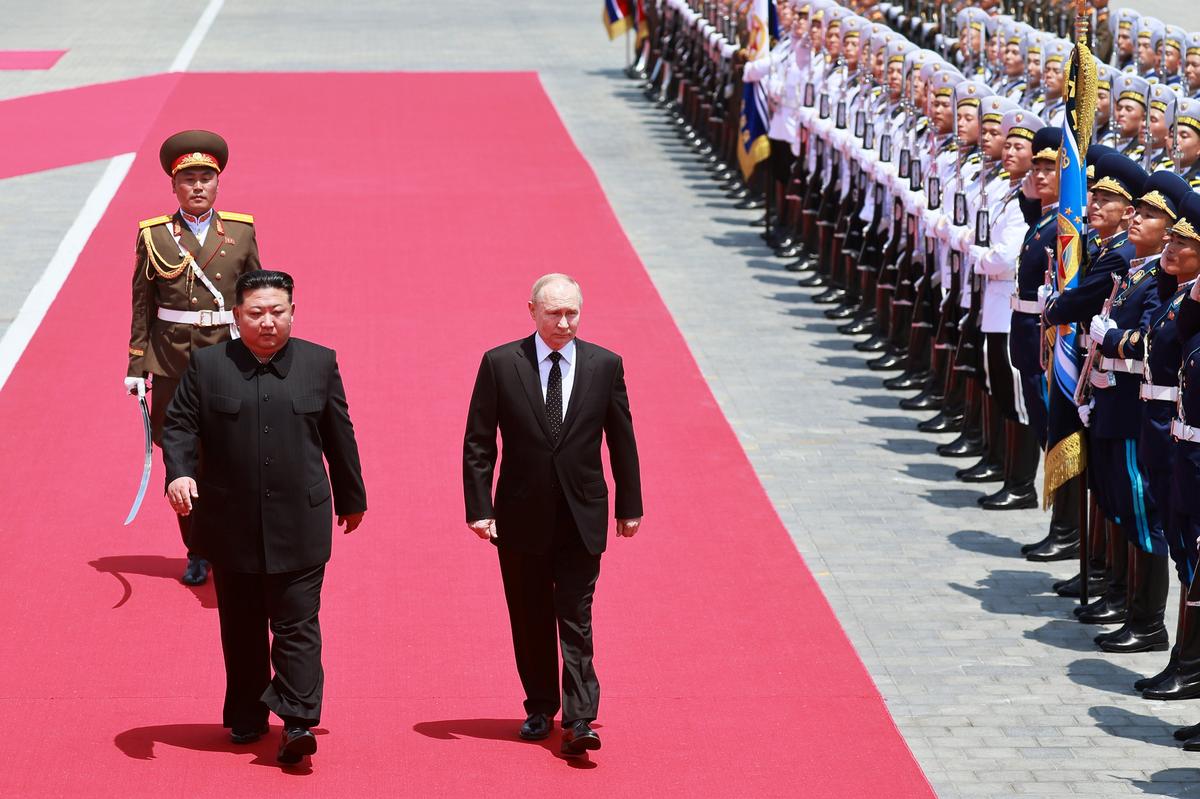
1018	491
990	466
1063	542
1184	682
1110	608
969	443
1143	630
1181	633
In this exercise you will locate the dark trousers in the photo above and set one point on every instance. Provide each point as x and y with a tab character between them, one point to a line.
286	605
160	398
549	598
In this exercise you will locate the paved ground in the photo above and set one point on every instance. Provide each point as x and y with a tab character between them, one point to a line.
995	690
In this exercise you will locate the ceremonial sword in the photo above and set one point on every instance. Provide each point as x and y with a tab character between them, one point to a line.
141	493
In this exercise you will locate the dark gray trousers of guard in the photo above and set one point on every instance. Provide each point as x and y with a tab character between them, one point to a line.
285	605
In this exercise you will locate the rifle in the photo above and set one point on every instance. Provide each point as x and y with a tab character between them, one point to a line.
1083	388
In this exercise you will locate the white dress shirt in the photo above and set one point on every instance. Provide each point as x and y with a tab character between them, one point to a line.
566	366
200	226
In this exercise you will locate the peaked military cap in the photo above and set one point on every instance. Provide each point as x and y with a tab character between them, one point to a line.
1187	222
1094	154
971	92
1022	123
1165	190
1193	44
994	107
1046	143
1133	88
1123	19
192	148
1187	112
1163	98
1117	174
1151	30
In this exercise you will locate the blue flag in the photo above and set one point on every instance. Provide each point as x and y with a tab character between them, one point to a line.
753	145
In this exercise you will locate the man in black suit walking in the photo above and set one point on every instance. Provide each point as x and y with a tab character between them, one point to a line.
553	398
246	440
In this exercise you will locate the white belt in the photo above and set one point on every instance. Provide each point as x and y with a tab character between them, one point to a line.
197	318
1100	379
1024	306
1121	365
1163	393
1183	432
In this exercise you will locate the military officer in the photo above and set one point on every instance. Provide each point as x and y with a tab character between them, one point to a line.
185	267
1162	122
1132	106
1187	134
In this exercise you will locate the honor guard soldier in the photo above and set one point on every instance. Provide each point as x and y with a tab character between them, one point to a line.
1013	85
1162	126
1054	79
1122	25
1191	66
1162	354
1149	32
1187	133
1105	128
1033	44
186	266
1132	107
1173	46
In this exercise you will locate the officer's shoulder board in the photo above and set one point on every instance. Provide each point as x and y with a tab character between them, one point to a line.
158	220
230	216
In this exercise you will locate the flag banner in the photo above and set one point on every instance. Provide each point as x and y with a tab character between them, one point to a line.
1066	455
617	19
753	145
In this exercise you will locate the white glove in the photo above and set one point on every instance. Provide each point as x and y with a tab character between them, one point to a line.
1085	413
1045	294
135	385
1100	326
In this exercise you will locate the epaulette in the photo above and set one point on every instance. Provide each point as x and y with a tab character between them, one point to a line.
230	216
158	220
974	157
1004	175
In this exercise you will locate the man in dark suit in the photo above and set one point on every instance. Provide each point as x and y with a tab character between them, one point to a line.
247	437
552	397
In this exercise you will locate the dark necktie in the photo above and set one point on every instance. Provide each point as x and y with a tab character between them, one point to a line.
554	409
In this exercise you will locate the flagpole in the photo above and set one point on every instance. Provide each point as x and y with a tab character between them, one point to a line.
1082	36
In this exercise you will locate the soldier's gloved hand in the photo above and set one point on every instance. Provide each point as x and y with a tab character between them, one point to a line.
1045	294
1085	413
1100	326
135	386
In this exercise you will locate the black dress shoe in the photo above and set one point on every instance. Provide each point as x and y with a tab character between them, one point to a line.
857	327
812	280
1177	686
787	252
295	744
749	204
1018	498
887	362
578	739
1091	607
1054	549
1184	733
1109	612
961	447
1129	640
738	193
942	423
1192	744
196	572
844	311
799	265
1159	679
249	735
982	472
1027	548
876	343
830	296
536	727
905	381
1097	582
925	401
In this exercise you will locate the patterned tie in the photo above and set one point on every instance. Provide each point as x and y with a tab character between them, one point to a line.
554	409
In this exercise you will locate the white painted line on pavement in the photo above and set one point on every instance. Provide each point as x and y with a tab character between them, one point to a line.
188	51
34	309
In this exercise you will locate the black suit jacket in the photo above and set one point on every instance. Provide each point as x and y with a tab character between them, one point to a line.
256	437
534	470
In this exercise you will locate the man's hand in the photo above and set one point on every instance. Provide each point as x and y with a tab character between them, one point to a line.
350	522
136	386
627	528
1099	327
1085	413
484	528
180	494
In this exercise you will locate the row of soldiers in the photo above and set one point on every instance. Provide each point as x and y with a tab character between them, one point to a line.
918	188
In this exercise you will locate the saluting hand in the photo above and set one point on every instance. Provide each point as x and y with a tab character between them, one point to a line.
180	494
484	528
350	521
627	528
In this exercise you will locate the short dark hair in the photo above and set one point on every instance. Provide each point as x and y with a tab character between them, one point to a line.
264	279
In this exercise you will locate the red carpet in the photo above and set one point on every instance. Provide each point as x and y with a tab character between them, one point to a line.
30	59
414	233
